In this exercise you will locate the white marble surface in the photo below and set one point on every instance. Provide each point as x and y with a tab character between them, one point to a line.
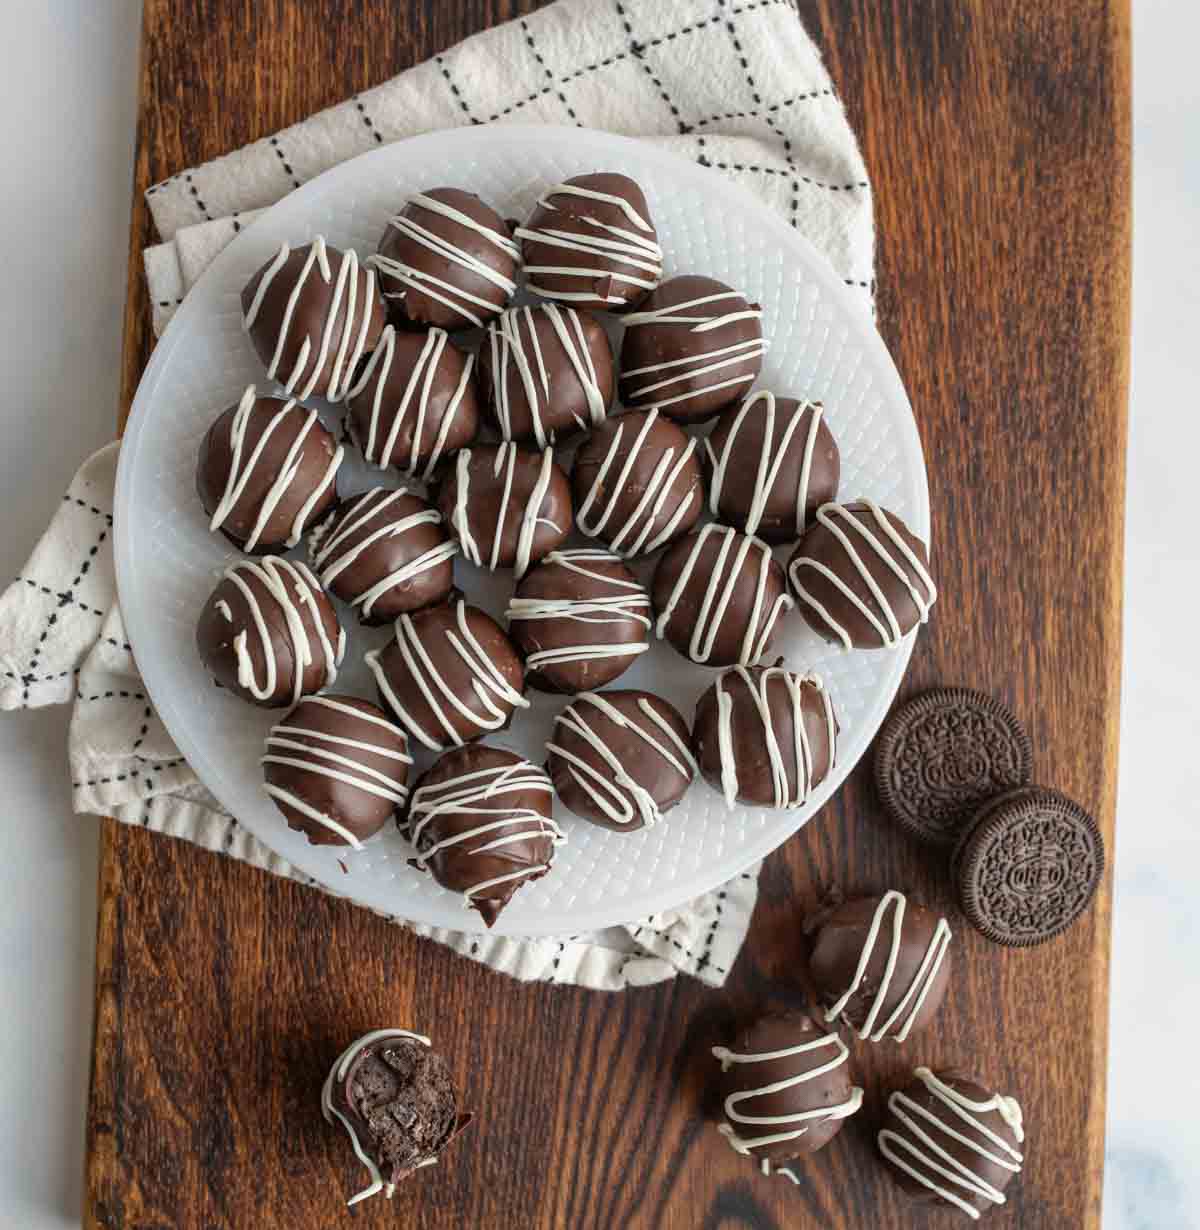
67	101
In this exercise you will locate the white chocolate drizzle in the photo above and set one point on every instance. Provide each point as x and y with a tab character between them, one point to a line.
379	449
770	460
704	362
910	1004
885	542
625	600
338	1072
492	693
513	341
724	576
796	1124
292	587
658	489
757	687
940	1171
355	321
470	306
620	796
331	554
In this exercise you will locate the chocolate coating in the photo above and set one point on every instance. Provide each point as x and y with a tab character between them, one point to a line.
336	768
446	260
771	462
719	595
591	242
311	315
481	787
676	359
637	483
947	1140
415	402
620	759
384	552
810	1108
854	542
580	619
267	471
449	675
546	372
507	506
850	965
269	634
746	746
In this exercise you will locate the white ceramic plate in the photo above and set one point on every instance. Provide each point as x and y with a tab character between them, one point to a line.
822	346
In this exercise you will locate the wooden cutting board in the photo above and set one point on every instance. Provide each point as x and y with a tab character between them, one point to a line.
997	136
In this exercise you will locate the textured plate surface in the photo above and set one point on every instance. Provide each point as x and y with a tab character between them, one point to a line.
822	347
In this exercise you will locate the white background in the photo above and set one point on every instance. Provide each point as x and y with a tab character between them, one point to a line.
67	110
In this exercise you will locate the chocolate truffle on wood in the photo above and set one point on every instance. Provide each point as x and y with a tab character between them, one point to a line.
637	483
786	1089
480	821
312	314
765	736
449	675
620	759
336	768
267	471
579	618
791	453
546	372
861	577
446	260
590	241
384	552
415	402
719	595
398	1103
881	965
269	634
949	1141
694	347
507	506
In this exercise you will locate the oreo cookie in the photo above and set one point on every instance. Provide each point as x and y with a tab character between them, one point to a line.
1028	866
943	754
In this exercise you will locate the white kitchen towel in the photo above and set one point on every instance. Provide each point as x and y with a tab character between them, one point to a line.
738	87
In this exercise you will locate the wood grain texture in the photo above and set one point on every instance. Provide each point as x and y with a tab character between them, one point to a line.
997	136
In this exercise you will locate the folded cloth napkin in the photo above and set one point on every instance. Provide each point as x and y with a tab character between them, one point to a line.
738	87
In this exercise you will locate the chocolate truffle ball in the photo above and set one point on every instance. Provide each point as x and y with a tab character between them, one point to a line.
447	260
546	373
786	1089
449	676
580	618
384	552
637	483
949	1141
694	347
398	1103
881	965
620	759
267	471
765	736
269	634
792	455
508	507
719	595
336	768
591	242
416	402
311	315
480	821
861	577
